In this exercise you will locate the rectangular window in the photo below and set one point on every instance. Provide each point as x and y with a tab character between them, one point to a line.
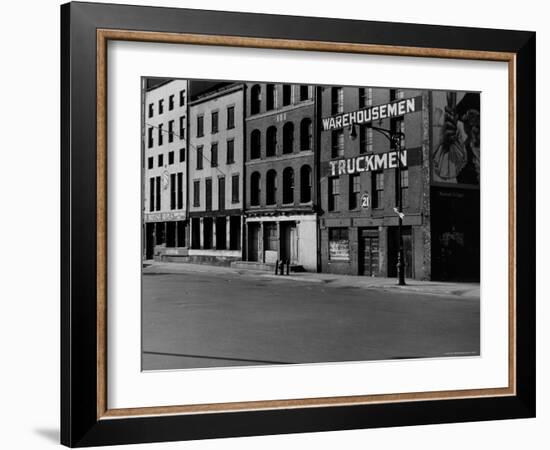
161	160
377	189
160	135
404	187
362	98
151	194
221	193
368	99
333	193
208	193
270	96
171	131
157	193
173	191
230	117
171	102
149	137
214	155
287	94
337	143
365	139
180	190
235	189
182	127
338	244
150	162
304	92
161	106
214	119
182	97
199	157
196	193
398	126
170	158
354	191
182	154
151	109
230	151
337	100
200	126
365	97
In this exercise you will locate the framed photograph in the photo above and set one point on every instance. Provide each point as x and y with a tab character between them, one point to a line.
278	224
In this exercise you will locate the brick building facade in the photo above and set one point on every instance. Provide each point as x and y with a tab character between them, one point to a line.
215	184
305	174
358	223
281	222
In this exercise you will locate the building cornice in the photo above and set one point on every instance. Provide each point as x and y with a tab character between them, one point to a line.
225	90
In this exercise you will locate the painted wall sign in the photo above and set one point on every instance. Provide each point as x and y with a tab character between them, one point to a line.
371	113
367	163
164	217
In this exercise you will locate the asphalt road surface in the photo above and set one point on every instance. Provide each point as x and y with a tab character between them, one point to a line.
193	320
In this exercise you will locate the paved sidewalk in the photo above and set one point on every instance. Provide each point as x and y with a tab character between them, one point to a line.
465	290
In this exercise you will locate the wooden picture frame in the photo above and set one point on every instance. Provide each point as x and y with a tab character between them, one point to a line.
85	416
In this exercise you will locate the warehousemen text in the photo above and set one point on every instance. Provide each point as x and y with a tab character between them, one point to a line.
365	115
367	163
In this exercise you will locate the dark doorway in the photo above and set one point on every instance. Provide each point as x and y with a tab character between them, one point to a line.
208	229
149	240
393	249
369	252
253	235
455	229
180	233
195	233
170	234
160	233
221	233
234	232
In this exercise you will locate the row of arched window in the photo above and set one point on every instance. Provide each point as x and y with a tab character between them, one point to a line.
306	139
271	186
301	94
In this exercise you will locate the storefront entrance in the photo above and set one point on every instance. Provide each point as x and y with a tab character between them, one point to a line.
253	235
150	237
289	242
369	250
455	234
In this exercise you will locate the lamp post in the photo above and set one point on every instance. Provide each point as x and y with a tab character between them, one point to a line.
395	138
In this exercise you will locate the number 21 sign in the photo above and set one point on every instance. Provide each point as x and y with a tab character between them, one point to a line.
365	201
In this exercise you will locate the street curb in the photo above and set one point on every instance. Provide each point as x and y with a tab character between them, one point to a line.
451	291
293	278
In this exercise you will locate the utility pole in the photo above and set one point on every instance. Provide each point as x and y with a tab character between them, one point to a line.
396	136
